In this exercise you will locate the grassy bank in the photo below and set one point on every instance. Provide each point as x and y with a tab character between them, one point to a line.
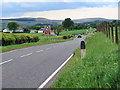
99	69
18	46
43	39
40	35
82	31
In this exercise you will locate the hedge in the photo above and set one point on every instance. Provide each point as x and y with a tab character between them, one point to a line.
11	39
67	36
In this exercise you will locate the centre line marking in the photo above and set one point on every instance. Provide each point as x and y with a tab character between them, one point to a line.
40	51
6	61
26	55
48	48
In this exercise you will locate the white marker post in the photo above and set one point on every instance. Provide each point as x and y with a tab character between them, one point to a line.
83	50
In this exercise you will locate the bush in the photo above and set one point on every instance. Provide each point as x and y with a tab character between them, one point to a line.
11	39
8	39
69	36
26	30
29	38
64	37
35	38
18	39
23	39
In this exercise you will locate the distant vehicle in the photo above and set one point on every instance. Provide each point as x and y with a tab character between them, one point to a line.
79	36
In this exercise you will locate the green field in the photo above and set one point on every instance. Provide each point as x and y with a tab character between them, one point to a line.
99	69
44	39
82	31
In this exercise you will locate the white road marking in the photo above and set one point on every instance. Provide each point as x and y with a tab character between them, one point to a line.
40	51
26	55
9	52
55	72
6	61
48	48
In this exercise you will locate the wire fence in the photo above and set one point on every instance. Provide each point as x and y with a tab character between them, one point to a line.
111	30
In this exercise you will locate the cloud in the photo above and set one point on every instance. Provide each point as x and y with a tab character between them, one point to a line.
32	0
103	12
90	0
60	0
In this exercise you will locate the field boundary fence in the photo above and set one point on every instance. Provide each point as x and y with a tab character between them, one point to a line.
111	30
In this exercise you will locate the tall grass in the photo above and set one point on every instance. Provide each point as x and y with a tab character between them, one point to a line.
82	31
99	69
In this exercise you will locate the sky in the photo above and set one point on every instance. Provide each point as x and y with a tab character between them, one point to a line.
60	9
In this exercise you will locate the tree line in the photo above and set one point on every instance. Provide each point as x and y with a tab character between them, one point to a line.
67	25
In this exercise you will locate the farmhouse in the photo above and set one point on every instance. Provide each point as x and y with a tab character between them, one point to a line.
7	31
11	31
41	30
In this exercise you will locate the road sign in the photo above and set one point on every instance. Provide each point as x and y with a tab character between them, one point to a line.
47	29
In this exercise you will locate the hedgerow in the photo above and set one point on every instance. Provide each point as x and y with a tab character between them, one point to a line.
11	39
67	36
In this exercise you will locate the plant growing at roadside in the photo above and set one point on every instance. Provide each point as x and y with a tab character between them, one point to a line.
58	29
11	39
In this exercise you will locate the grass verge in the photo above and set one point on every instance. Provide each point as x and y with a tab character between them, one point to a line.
81	31
18	46
99	69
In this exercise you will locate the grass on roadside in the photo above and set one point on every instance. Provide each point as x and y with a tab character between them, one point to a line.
99	69
18	46
40	35
82	31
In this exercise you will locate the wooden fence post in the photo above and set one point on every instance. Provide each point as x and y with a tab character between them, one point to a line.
106	29
112	33
103	27
116	34
109	30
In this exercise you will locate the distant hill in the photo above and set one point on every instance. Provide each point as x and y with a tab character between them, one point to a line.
91	20
33	21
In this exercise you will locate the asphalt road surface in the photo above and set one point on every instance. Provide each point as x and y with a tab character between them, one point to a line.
30	67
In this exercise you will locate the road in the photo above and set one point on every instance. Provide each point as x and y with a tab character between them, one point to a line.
30	67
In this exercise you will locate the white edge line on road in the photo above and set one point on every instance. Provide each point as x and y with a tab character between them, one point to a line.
53	74
6	61
9	52
26	55
40	51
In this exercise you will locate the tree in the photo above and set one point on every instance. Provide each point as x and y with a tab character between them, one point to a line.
26	29
37	27
58	29
13	26
93	25
114	21
68	23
